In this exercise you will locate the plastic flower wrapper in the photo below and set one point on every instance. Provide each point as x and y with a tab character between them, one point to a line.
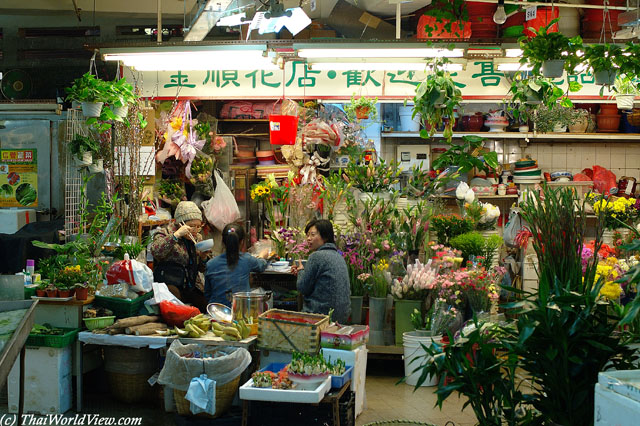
416	284
200	173
438	320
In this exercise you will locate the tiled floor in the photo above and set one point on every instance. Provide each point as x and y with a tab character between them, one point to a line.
385	401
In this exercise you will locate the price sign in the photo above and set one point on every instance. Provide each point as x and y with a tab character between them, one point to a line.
530	13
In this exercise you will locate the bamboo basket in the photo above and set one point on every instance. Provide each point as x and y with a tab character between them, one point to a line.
279	331
634	117
128	370
129	388
224	398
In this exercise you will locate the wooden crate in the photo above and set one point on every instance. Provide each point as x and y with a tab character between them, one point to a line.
288	331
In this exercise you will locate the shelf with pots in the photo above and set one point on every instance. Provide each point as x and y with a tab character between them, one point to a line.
623	137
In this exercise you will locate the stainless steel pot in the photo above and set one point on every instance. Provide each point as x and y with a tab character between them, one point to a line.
249	305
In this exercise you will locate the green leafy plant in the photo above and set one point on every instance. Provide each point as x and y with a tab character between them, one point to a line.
630	60
410	225
364	104
121	93
88	88
466	156
470	244
625	85
547	119
528	92
48	267
370	177
549	46
603	57
437	97
81	144
447	227
447	12
491	246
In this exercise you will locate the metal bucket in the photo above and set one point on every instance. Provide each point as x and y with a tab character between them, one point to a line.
249	305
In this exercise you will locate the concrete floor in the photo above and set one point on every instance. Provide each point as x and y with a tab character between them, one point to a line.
384	401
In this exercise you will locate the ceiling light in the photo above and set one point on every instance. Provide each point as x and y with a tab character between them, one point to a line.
192	57
500	16
513	53
373	52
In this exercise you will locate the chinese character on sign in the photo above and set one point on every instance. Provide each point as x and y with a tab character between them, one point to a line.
222	78
395	78
304	81
487	74
263	78
179	80
354	78
28	155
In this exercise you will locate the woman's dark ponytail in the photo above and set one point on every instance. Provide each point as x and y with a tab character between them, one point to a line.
232	236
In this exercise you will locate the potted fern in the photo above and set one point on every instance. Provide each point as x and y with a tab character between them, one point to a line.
361	109
550	52
436	99
91	92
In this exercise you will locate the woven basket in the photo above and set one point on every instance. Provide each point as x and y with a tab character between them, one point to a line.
224	398
634	117
279	331
129	387
128	370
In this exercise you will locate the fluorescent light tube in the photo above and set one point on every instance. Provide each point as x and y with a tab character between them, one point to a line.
378	66
338	52
514	66
513	53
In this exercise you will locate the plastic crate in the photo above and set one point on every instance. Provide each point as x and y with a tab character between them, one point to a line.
338	381
29	291
53	341
122	308
99	322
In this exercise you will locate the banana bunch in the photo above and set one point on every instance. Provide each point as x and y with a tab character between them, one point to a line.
175	331
197	326
238	330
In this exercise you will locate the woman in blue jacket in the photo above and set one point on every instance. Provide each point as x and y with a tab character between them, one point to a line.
230	271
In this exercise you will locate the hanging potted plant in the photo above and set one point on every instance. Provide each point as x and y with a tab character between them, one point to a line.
91	92
626	91
362	108
83	148
604	61
437	98
121	95
550	52
466	156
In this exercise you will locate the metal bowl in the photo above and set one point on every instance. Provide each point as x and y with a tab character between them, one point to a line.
219	312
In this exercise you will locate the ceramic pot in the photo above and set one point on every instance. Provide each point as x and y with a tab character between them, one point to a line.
362	113
579	126
606	77
607	235
625	101
553	69
91	109
559	128
82	293
472	123
608	123
64	293
523	129
40	293
608	109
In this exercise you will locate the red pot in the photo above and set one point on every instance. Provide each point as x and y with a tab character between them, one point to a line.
608	123
362	113
40	293
82	293
440	32
52	293
64	293
608	109
472	123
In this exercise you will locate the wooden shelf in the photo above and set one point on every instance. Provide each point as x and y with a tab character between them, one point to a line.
530	136
389	350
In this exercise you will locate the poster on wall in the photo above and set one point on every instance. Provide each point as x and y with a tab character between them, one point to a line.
18	178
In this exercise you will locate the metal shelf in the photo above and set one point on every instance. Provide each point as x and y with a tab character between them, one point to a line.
530	136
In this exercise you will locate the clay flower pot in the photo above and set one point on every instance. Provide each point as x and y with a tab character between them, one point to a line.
608	123
40	293
362	113
472	123
64	293
608	109
82	293
51	292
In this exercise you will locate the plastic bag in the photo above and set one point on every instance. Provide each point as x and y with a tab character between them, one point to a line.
202	395
604	181
512	228
138	275
161	293
200	173
174	314
222	209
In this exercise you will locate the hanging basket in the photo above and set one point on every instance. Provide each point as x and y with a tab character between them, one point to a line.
91	109
120	111
633	117
283	129
553	69
625	101
605	78
362	113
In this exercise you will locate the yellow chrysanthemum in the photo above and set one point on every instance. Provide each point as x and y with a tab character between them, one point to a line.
611	290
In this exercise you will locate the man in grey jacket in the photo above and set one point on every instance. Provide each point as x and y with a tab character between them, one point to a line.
324	282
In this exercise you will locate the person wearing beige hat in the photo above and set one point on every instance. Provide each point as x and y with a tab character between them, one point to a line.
175	261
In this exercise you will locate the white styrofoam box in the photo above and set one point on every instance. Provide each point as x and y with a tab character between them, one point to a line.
47	381
11	220
614	409
530	267
247	391
357	358
624	382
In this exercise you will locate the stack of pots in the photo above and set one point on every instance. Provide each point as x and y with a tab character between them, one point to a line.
608	118
592	21
481	18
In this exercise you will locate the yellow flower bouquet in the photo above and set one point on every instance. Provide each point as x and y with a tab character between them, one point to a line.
615	210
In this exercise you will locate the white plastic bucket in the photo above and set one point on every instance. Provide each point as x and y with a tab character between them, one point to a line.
412	349
407	124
